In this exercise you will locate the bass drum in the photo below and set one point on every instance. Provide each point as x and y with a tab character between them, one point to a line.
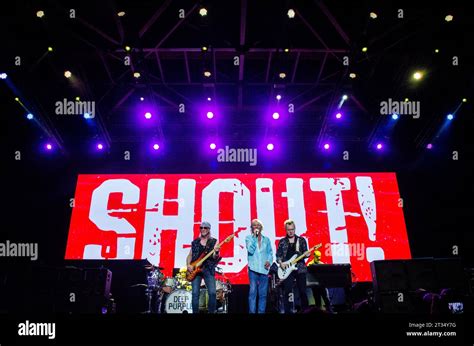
179	302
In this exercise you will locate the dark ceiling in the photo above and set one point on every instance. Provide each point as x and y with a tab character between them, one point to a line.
166	51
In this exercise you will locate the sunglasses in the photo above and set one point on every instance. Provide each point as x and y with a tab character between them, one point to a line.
204	227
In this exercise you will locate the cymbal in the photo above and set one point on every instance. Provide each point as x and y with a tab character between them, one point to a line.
151	266
138	285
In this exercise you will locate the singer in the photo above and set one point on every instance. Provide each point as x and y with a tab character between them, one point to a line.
260	255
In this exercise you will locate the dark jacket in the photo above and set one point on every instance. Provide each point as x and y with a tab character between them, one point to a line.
283	249
211	262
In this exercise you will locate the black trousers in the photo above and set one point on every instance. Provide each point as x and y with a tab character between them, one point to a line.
318	293
301	287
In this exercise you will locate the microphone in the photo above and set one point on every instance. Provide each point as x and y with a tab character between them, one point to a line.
256	231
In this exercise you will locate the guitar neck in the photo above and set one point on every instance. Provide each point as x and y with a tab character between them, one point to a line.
209	254
297	259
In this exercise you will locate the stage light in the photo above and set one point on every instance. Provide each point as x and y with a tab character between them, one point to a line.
204	48
450	117
100	146
142	99
270	146
78	98
394	116
212	146
429	146
207	74
29	116
417	75
291	13
364	49
373	15
436	50
448	18
379	146
17	99
40	14
49	146
136	74
278	97
87	116
3	75
352	75
464	100
326	146
339	115
209	99
50	49
282	75
147	115
406	99
121	14
286	50
127	48
67	74
276	115
210	115
156	146
344	97
203	12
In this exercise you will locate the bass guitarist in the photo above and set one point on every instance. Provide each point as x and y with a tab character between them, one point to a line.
287	247
204	244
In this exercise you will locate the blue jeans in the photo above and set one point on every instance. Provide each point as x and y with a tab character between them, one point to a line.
211	290
258	283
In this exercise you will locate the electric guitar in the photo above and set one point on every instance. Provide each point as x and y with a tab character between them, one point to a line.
190	275
284	273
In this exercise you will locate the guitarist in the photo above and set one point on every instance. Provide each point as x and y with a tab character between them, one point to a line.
204	244
287	247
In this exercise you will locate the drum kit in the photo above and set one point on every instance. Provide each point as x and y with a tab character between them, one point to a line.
175	292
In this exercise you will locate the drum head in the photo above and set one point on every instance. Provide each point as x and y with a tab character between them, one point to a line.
170	282
179	302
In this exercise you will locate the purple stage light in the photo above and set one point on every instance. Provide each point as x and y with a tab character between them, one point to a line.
49	146
100	146
429	146
210	115
209	99
148	115
326	146
278	97
379	146
339	115
270	146
156	146
276	115
212	146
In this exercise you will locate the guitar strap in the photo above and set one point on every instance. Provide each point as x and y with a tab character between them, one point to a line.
207	248
297	244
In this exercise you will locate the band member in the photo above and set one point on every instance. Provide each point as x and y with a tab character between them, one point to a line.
260	255
319	291
287	247
204	244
